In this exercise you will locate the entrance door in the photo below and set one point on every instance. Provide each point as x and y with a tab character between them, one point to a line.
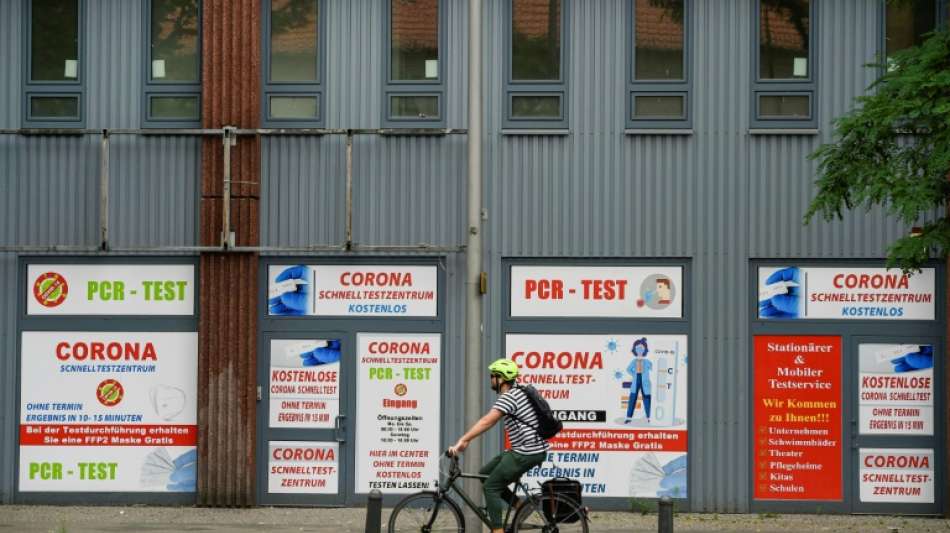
303	403
896	424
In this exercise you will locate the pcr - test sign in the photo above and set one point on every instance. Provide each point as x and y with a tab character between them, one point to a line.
897	475
582	291
352	290
110	289
622	399
896	389
399	384
794	293
108	412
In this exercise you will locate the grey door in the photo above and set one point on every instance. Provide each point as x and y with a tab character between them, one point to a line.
304	401
896	424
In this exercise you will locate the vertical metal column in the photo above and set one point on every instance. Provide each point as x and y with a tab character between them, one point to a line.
104	192
349	190
229	140
473	308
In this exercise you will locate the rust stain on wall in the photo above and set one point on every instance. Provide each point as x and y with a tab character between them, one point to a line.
227	330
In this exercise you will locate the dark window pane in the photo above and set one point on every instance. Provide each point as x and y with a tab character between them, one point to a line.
174	107
907	22
536	40
536	106
174	40
664	107
659	39
293	40
784	26
791	106
54	107
290	107
415	39
54	40
426	107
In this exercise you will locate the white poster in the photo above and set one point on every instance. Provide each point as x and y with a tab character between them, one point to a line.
108	412
897	475
622	399
896	389
295	467
582	291
304	383
352	290
399	388
98	289
794	293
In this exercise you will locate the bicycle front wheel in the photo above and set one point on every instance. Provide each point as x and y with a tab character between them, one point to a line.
550	513
426	512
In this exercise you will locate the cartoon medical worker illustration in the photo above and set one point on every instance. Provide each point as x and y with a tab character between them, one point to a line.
639	368
664	291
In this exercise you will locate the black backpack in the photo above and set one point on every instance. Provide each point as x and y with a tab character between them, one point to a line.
548	424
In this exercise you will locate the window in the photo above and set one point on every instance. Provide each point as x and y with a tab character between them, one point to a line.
783	91
53	77
536	91
906	23
658	64
293	63
173	64
414	93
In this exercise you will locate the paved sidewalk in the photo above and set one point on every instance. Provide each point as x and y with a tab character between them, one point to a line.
46	519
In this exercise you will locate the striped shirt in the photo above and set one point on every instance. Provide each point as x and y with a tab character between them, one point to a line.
522	434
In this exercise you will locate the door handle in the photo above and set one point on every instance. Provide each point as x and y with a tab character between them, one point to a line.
339	431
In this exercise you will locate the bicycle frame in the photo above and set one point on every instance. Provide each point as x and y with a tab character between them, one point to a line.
455	474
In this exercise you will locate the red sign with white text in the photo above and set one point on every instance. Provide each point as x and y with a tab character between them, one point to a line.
797	418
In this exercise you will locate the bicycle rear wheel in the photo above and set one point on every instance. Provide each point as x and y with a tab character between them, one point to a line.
550	513
426	512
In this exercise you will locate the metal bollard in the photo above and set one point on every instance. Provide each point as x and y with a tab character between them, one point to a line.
666	515
374	511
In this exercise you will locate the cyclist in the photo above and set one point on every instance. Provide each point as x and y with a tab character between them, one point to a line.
528	449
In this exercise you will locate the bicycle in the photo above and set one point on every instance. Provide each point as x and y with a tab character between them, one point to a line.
433	511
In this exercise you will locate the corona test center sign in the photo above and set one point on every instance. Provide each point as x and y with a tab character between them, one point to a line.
797	406
623	401
399	392
795	293
108	412
352	290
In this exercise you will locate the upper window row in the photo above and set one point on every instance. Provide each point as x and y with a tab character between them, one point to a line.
55	76
658	65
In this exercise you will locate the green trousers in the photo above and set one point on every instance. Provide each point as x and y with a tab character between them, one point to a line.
503	470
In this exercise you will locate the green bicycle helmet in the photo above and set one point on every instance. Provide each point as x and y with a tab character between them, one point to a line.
505	368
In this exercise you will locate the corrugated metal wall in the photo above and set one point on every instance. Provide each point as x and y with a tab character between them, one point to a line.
719	196
49	185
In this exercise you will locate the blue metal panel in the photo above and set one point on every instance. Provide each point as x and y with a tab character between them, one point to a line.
11	41
303	192
154	191
8	375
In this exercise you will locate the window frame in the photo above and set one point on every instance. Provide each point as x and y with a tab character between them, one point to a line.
787	87
293	88
559	87
424	88
30	88
636	87
941	20
152	88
